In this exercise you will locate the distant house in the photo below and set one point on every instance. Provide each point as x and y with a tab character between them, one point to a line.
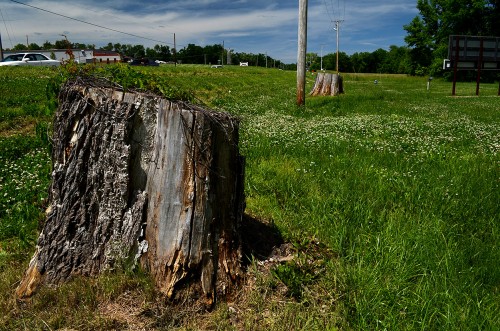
100	56
80	55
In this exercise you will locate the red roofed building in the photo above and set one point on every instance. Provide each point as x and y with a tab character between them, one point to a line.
101	56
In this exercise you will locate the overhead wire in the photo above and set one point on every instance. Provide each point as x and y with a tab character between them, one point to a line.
334	12
329	11
92	24
6	30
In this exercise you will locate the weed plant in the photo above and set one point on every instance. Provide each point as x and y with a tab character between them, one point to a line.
400	183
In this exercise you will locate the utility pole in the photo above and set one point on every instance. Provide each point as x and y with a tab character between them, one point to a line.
321	57
1	48
337	28
175	52
222	57
301	54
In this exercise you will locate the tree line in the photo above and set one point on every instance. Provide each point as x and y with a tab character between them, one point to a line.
190	54
396	60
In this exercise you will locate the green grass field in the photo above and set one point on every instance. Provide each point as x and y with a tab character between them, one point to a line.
389	195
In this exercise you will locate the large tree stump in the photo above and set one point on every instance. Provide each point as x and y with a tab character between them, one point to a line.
138	179
328	85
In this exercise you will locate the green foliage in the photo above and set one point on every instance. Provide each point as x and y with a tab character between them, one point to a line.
293	277
123	75
19	47
306	268
24	179
130	78
394	61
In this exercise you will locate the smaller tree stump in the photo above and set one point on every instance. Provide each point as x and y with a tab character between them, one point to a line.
328	85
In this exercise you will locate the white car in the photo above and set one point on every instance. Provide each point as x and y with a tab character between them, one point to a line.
29	59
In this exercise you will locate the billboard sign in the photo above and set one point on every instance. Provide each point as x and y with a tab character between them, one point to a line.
473	53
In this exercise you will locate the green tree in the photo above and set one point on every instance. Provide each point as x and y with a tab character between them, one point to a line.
61	44
213	53
360	62
163	52
138	51
108	47
311	61
47	45
124	50
191	54
34	47
377	60
79	46
244	57
428	33
330	62
20	47
397	61
492	15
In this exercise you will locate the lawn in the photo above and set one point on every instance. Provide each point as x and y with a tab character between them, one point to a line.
388	196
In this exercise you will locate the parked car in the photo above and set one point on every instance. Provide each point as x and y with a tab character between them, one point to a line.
29	59
143	62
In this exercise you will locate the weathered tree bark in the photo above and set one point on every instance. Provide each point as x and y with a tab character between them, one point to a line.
138	179
328	85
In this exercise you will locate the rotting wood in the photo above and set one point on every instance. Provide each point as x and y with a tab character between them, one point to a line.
327	84
138	179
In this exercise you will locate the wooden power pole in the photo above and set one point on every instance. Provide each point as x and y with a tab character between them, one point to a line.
1	48
337	28
175	52
301	53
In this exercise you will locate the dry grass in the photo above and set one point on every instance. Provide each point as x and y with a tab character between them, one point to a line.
21	126
262	301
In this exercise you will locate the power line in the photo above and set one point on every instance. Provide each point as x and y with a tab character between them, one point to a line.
334	12
330	15
6	30
92	24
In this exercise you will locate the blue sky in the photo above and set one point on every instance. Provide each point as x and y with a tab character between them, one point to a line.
257	26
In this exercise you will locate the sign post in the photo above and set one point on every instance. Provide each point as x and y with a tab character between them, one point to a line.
480	64
455	67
